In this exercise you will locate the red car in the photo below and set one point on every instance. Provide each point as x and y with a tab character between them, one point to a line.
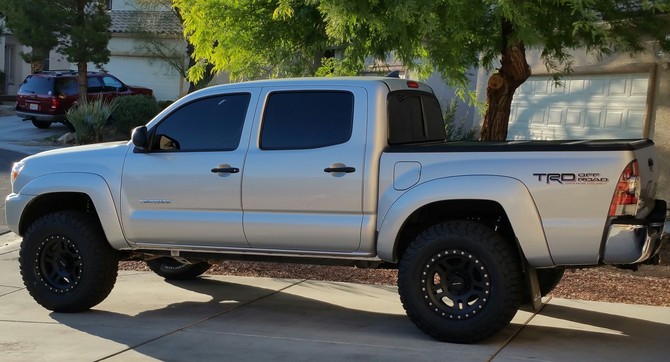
46	96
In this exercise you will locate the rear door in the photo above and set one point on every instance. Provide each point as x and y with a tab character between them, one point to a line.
303	177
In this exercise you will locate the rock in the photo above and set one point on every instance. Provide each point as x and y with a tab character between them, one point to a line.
66	138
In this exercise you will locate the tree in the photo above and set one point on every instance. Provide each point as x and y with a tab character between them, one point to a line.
155	45
83	29
33	24
249	39
79	29
284	38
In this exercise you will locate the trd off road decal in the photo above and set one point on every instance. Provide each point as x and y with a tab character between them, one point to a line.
592	178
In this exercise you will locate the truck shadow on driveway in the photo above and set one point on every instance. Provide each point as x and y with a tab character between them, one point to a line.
309	320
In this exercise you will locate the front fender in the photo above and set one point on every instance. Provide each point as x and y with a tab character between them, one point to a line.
510	193
90	184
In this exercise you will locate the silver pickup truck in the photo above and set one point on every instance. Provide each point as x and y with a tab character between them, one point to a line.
350	171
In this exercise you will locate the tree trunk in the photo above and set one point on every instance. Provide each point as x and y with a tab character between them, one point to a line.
514	70
36	66
82	79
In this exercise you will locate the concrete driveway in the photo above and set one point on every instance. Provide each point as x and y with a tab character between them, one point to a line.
254	319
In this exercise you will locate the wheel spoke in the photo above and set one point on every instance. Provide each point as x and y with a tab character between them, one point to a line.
60	263
457	284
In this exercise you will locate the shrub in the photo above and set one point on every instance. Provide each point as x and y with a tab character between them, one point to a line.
164	104
133	111
458	132
88	117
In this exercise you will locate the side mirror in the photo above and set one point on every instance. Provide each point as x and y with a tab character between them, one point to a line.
140	138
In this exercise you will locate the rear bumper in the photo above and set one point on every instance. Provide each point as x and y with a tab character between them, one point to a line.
633	241
41	116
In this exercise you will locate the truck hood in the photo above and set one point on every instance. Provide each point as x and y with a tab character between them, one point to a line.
104	159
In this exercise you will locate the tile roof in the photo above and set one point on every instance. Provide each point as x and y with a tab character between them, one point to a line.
134	21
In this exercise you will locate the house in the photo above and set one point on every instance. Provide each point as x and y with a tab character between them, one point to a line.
146	47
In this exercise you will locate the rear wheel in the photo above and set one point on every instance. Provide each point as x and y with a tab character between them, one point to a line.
66	263
41	124
460	282
170	268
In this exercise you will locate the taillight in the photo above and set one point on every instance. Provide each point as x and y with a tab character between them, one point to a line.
54	103
412	84
627	192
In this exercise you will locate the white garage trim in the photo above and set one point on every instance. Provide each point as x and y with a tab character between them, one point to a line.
607	106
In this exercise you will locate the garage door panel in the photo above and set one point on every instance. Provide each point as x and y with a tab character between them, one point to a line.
573	117
606	106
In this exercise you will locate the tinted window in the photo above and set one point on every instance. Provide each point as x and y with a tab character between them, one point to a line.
414	117
67	86
37	85
209	124
301	120
94	85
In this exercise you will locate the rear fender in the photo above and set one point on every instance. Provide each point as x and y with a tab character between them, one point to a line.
510	193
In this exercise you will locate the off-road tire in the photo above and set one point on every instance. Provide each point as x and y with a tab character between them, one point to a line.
66	263
171	269
460	281
41	124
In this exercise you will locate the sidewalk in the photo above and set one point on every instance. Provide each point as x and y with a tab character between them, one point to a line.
250	319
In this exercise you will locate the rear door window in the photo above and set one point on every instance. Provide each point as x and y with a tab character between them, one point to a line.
94	85
307	119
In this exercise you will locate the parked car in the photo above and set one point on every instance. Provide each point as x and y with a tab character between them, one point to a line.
45	97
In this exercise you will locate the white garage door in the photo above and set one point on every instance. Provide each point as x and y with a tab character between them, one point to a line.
586	107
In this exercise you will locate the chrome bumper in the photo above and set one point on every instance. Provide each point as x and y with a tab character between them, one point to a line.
634	241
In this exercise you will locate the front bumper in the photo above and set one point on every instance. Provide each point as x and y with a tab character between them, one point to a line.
633	241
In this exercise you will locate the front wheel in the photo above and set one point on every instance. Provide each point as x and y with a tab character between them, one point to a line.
172	269
66	263
460	282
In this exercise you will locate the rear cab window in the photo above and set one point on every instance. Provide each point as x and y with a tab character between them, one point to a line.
414	117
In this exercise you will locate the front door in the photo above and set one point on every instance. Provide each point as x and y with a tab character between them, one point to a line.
186	189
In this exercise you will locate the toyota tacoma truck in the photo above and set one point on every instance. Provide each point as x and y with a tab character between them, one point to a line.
347	171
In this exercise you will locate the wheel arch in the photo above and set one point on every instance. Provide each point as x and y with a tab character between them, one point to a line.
501	203
84	192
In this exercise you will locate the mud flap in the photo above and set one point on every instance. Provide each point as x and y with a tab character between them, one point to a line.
534	287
